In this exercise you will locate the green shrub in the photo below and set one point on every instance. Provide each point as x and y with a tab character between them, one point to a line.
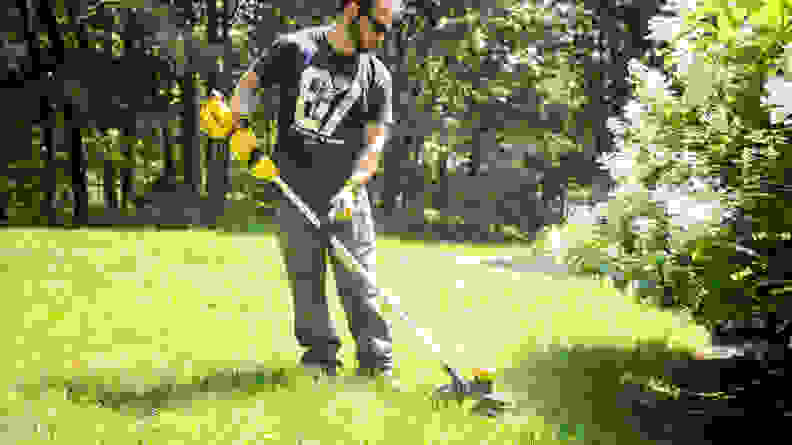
734	146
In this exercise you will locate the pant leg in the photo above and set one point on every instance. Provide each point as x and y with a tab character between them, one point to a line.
303	252
371	331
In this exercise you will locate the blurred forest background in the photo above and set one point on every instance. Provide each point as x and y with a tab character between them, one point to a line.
499	119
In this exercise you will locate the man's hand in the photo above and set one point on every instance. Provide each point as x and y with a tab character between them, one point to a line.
342	203
216	117
367	166
265	169
242	144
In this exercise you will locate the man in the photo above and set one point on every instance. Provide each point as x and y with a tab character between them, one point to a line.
335	106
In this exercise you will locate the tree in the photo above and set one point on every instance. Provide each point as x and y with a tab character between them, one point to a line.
398	157
473	65
175	56
61	96
74	132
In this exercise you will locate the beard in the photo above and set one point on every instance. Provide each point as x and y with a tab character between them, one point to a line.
354	35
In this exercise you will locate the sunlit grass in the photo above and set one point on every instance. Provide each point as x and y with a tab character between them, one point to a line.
124	312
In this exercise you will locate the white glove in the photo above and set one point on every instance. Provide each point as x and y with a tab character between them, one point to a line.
343	202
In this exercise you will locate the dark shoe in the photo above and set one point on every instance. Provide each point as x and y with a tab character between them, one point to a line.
321	367
377	354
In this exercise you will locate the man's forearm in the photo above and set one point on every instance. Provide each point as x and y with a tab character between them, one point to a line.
243	100
363	175
365	170
235	113
369	161
240	105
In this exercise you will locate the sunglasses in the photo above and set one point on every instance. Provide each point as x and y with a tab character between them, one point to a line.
379	27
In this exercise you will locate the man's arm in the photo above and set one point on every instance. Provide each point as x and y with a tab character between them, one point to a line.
376	131
262	73
247	88
376	136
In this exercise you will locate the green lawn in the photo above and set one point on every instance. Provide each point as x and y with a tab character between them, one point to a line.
131	314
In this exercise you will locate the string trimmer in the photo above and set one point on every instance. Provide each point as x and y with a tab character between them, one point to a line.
481	387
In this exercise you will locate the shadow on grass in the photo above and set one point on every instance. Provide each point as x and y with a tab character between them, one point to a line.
603	393
595	393
147	399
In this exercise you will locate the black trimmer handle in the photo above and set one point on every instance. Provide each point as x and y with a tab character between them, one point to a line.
459	384
453	373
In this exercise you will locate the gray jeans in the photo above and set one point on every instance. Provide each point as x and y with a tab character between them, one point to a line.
304	253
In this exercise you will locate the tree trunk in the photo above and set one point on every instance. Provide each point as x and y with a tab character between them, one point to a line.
212	30
191	138
211	84
224	80
4	199
167	151
109	182
78	170
128	173
111	199
49	180
441	198
225	77
49	23
398	153
74	135
31	37
128	139
554	191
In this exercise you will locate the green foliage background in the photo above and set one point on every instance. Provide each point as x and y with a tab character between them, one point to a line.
721	119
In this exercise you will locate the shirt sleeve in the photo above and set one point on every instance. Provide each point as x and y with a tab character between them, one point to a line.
381	98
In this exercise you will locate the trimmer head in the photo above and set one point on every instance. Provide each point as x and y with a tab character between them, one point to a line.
481	388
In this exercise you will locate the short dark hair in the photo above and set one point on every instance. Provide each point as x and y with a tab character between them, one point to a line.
367	5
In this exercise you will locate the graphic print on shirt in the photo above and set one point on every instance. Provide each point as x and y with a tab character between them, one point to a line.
318	110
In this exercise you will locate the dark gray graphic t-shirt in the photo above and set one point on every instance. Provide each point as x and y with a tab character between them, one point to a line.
326	99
